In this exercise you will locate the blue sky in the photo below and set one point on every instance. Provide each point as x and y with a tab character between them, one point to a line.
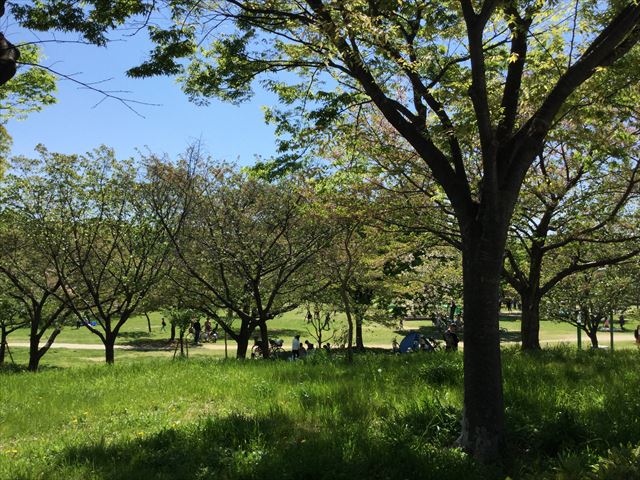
75	124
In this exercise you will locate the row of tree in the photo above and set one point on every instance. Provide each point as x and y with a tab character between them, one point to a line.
476	92
95	240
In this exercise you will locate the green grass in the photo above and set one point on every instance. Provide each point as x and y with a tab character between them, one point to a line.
385	417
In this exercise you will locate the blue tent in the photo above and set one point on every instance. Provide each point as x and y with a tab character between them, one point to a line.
409	342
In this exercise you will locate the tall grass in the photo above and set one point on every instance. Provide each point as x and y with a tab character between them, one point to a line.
385	417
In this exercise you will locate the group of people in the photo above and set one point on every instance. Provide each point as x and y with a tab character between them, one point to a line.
511	304
210	332
421	343
301	349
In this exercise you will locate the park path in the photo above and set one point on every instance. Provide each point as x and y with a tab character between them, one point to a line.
569	338
99	346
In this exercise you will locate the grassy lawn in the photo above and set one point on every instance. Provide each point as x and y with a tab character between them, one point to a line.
385	417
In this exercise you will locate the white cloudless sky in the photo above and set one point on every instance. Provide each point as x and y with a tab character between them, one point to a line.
80	121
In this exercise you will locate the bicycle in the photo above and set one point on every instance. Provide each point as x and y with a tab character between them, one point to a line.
275	349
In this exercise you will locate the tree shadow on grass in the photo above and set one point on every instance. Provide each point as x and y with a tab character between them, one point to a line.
133	335
264	447
508	336
510	317
433	332
284	333
150	344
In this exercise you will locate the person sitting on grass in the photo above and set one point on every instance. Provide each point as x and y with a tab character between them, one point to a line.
451	339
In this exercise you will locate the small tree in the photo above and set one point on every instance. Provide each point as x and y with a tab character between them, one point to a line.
28	271
104	250
182	319
589	298
320	322
242	244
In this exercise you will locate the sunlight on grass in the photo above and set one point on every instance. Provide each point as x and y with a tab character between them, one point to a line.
379	418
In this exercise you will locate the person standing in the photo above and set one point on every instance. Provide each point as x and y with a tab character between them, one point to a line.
163	325
452	310
196	331
207	329
295	347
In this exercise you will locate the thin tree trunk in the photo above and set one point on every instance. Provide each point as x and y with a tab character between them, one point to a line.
347	311
359	337
483	414
3	342
148	321
173	332
530	327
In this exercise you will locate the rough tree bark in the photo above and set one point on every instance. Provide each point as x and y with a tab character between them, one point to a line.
3	342
482	258
109	347
359	337
530	328
35	351
264	338
9	54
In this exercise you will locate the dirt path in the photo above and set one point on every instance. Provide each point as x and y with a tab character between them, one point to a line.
99	346
568	338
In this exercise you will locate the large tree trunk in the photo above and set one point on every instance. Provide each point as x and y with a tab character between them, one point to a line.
264	339
34	348
530	327
109	348
243	345
593	336
246	329
173	332
483	416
